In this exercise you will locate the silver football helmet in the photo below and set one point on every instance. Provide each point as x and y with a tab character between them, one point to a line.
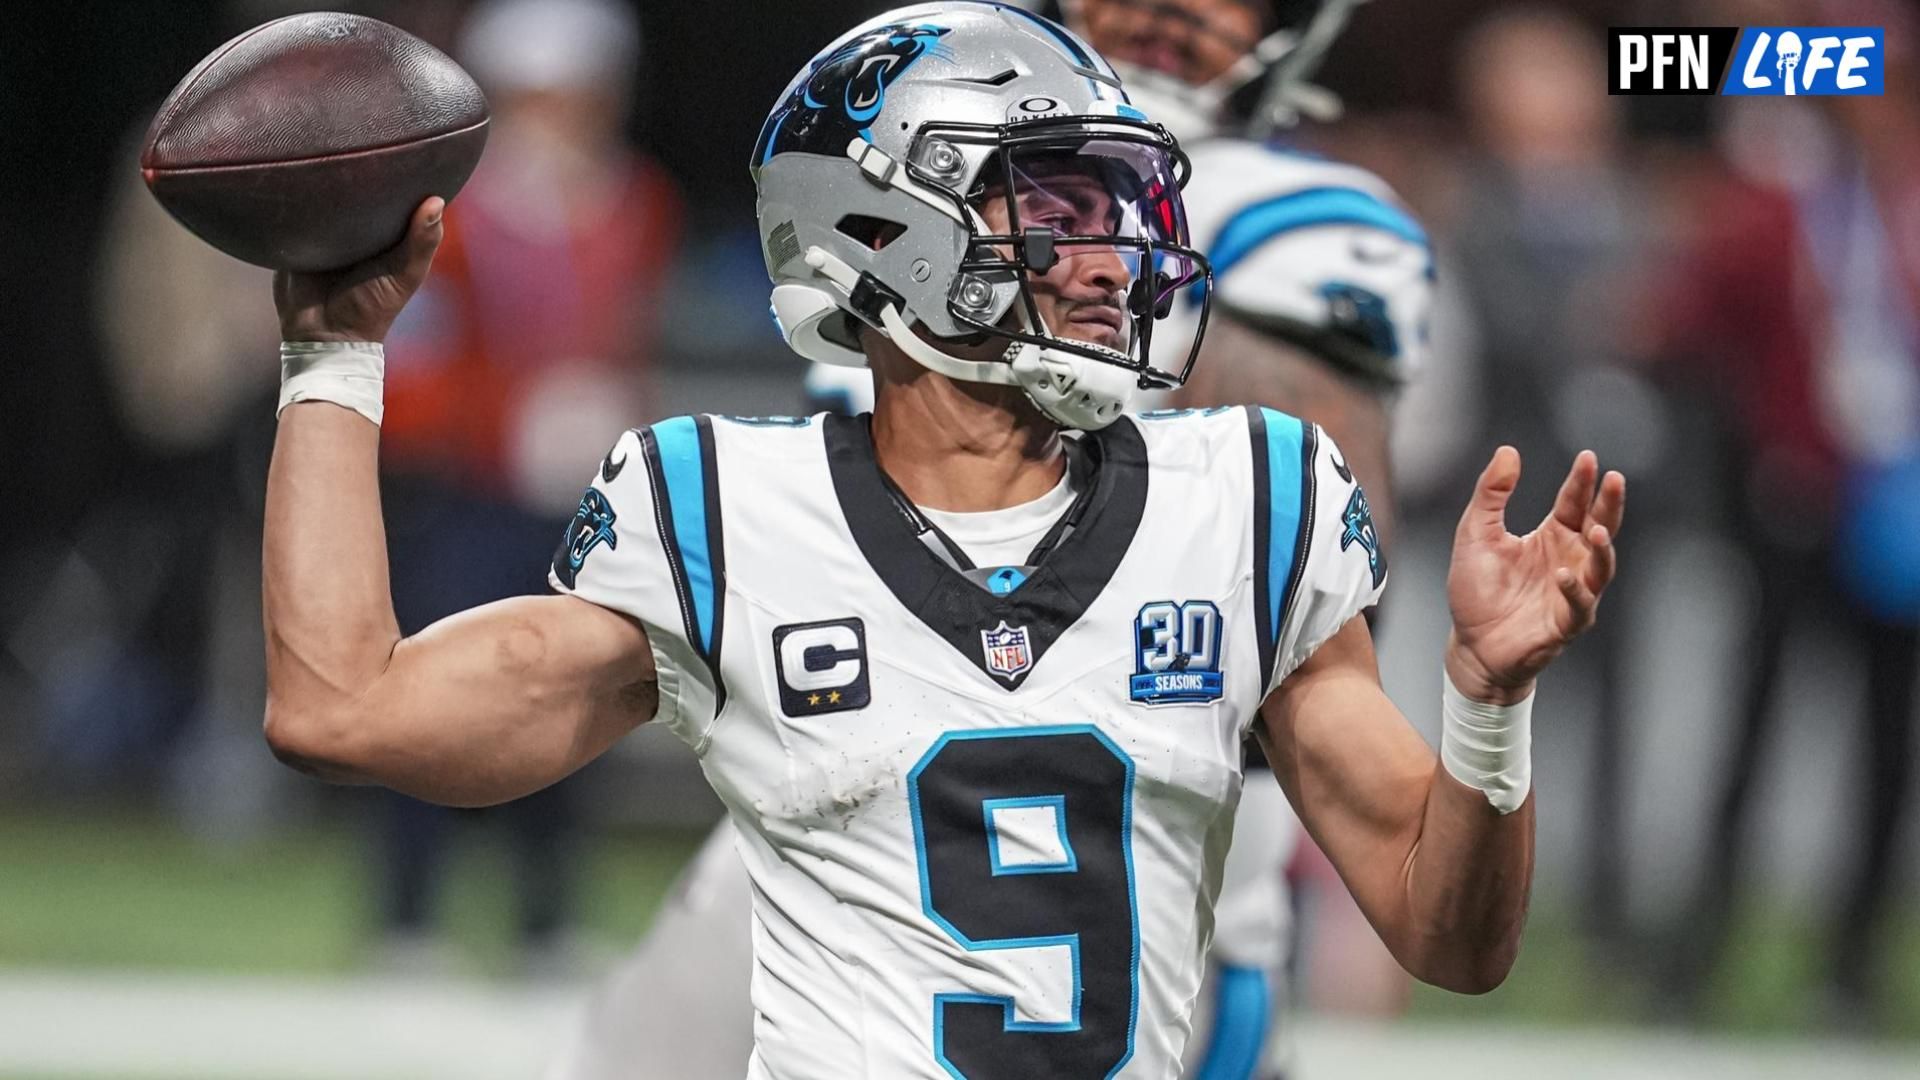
887	156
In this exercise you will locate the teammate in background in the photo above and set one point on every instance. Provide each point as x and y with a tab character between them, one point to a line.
1322	288
983	778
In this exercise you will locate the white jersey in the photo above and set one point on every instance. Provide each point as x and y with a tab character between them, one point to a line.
985	832
1300	242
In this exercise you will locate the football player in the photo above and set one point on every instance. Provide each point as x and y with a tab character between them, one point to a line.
1322	285
971	674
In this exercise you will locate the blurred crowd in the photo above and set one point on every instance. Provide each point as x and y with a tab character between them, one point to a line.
1721	296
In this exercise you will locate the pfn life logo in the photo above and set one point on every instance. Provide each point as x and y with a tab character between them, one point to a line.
1789	61
1795	60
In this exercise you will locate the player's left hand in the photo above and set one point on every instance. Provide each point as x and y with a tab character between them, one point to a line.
1517	601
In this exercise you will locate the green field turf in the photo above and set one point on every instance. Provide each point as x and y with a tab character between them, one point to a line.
135	892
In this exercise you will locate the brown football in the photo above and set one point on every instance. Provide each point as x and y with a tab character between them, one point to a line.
306	143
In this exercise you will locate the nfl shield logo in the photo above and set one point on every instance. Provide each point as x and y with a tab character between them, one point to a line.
1007	651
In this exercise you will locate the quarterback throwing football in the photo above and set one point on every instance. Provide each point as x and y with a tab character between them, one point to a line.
983	791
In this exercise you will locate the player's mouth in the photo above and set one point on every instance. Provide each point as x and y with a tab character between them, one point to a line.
1100	324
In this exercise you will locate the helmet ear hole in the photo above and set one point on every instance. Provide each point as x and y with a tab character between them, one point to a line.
872	233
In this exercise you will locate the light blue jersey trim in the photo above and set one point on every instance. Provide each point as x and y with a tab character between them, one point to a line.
684	474
1285	435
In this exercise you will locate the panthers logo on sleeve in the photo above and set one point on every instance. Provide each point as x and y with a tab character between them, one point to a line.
1357	522
592	526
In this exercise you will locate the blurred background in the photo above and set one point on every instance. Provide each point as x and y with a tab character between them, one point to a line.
1722	296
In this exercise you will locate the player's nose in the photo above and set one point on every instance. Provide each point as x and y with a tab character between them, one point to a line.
1101	268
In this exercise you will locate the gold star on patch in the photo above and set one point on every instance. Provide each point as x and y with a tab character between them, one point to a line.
813	699
833	698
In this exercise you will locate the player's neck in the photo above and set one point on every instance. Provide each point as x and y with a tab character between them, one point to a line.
964	446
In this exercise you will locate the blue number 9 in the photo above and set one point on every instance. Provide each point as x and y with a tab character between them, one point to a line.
1074	889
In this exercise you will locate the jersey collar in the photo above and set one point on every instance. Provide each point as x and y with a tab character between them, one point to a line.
1063	584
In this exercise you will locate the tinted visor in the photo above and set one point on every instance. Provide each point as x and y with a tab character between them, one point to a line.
1093	219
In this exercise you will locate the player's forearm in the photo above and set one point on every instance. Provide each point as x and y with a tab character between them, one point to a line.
1471	871
330	626
1441	874
1467	881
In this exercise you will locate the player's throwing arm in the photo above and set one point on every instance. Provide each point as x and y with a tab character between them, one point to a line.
325	146
481	708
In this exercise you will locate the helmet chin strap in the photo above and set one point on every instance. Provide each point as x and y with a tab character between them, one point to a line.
927	356
1073	391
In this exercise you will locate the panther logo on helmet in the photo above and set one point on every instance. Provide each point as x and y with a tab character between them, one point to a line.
846	91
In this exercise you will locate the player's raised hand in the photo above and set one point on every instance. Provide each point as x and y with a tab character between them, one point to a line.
1517	601
360	302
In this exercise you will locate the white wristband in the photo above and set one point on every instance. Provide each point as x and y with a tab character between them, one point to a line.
1488	747
347	373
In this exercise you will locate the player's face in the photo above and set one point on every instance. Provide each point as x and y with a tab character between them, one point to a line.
1083	295
1192	40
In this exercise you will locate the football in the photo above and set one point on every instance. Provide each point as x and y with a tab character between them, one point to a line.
305	143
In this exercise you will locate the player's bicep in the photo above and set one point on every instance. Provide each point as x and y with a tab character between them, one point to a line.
502	700
1356	771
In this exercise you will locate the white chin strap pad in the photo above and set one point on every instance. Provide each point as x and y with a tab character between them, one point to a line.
1074	391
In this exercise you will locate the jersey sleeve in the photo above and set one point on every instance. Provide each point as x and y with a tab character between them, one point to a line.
645	542
1318	560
